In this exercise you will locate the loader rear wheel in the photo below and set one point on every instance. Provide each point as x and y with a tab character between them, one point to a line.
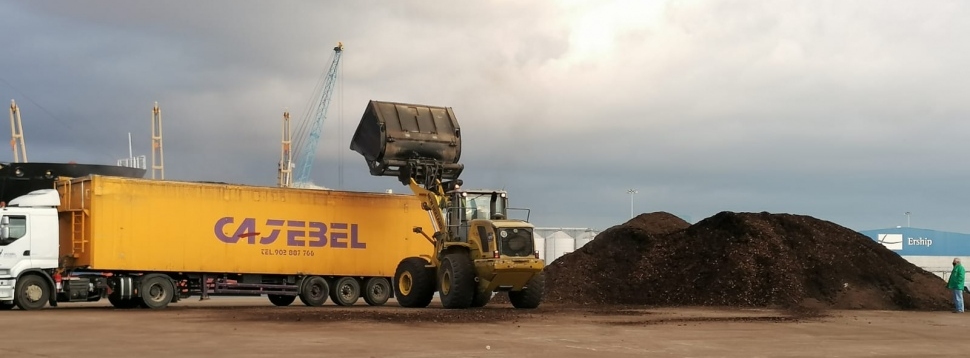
414	283
32	292
281	300
531	295
346	291
314	291
377	290
456	281
156	291
481	298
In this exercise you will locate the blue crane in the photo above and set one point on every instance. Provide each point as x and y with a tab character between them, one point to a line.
308	151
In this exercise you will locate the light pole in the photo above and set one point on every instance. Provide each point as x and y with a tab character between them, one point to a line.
907	218
631	192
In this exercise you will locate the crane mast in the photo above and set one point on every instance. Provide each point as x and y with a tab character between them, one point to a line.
17	134
308	152
285	178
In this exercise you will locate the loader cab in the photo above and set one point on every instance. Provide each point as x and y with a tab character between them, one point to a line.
469	205
485	213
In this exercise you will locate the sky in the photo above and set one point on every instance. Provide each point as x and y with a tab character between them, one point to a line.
852	112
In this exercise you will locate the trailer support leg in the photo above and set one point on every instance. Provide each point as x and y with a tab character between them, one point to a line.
205	288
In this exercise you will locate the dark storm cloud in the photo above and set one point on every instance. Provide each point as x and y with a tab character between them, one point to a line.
852	112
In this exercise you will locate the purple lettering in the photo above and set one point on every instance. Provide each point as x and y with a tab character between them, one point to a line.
274	234
246	229
293	235
353	238
336	236
320	234
221	234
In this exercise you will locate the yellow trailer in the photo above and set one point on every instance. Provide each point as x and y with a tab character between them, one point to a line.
152	242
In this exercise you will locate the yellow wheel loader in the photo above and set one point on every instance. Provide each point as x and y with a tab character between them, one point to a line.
478	249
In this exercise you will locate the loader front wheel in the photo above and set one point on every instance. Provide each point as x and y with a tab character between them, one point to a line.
456	281
414	283
531	295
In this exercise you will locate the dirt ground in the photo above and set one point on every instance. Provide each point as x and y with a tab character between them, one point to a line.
251	327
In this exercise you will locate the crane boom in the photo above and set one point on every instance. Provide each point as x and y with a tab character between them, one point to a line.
17	132
309	151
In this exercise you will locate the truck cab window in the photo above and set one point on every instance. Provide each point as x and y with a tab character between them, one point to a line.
17	229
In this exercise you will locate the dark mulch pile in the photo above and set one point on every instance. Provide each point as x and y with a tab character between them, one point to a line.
789	261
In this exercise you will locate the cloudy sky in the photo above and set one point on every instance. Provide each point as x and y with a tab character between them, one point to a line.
854	112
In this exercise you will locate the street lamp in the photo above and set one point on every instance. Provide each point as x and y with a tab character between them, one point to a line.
907	218
631	192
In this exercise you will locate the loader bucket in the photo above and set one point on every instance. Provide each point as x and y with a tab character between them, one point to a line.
392	134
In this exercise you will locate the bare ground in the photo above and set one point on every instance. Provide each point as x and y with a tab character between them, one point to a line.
251	327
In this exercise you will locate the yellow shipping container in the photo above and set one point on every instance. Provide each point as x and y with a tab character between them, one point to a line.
124	224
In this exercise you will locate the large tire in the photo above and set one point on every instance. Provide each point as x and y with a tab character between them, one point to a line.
345	292
32	292
414	283
127	303
314	291
456	281
481	298
156	291
281	300
531	296
377	290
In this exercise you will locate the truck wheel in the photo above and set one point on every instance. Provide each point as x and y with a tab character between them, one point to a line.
481	298
119	303
531	295
314	291
281	300
377	290
456	281
413	283
346	291
156	291
32	293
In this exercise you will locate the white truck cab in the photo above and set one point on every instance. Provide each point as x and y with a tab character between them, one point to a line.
29	250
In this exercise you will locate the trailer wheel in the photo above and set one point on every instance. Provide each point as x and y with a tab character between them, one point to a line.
156	291
281	300
314	291
346	291
32	293
456	281
126	303
377	290
481	298
414	283
531	295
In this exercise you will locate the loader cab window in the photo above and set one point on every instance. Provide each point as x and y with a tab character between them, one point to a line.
515	241
479	206
12	227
